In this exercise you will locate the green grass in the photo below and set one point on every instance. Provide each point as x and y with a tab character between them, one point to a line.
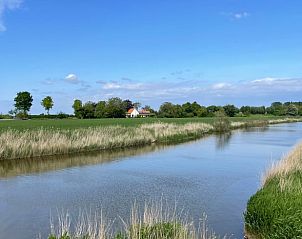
272	213
84	123
275	211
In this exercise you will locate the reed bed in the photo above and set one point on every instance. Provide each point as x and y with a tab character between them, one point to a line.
157	220
42	142
32	143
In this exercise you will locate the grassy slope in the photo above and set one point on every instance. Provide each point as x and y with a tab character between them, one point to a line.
75	123
275	211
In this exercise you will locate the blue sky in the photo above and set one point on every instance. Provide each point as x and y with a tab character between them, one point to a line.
209	51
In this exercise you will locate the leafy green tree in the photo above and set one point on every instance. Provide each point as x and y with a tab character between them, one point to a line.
47	103
89	110
78	109
202	112
292	110
230	110
169	110
23	102
128	104
115	108
100	109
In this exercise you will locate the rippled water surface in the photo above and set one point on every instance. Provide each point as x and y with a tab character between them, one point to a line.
215	175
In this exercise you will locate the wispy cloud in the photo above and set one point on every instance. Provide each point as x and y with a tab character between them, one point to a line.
236	15
72	78
7	5
240	15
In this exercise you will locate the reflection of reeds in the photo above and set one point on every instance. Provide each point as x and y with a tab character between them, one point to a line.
15	167
157	220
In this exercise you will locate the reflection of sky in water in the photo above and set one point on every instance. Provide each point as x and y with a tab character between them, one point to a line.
215	175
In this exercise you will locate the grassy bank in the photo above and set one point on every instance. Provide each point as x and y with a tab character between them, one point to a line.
275	211
155	221
45	141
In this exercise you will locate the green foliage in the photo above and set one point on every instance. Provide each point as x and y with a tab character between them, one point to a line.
100	109
115	108
78	109
230	110
47	103
273	213
164	230
23	102
88	110
221	123
169	110
64	236
292	110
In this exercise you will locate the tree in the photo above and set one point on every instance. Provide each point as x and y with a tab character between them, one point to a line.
169	110
23	102
89	110
292	110
128	104
78	109
47	103
115	108
100	109
230	110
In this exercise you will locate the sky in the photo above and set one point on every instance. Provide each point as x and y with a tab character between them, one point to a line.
242	52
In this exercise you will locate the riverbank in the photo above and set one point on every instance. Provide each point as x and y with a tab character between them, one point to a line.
38	142
275	210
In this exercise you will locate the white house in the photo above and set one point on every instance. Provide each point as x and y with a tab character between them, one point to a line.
132	113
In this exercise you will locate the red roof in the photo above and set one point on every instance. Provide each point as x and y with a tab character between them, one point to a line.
130	110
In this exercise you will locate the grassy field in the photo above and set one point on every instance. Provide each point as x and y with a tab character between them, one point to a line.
127	122
275	211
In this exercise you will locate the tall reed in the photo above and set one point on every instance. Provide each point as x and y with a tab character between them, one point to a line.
157	220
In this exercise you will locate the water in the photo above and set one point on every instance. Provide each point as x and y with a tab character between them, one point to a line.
215	175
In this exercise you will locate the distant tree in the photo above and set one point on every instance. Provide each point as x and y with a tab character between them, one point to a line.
100	109
23	102
115	108
148	108
202	112
212	109
169	110
78	109
245	110
277	108
292	110
128	104
47	103
230	110
89	110
136	105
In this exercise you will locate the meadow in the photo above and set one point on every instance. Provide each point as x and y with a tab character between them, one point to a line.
275	210
126	122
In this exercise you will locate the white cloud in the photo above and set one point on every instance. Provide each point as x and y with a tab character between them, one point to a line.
7	5
72	78
220	86
240	15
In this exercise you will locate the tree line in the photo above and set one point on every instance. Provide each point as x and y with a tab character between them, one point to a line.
116	108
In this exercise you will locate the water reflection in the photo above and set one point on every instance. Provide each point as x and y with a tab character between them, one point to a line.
222	140
13	168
